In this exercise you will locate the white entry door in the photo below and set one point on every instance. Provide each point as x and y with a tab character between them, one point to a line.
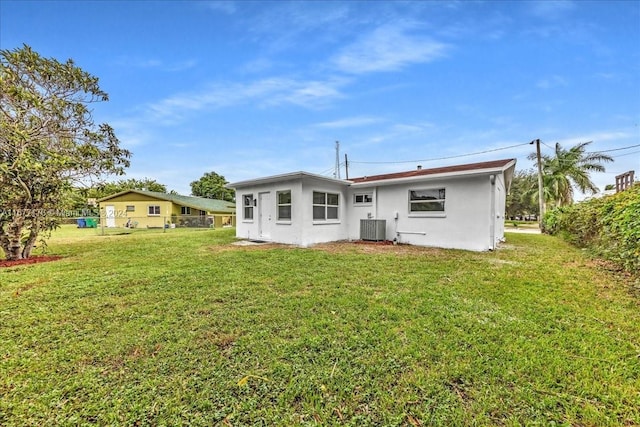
264	215
110	214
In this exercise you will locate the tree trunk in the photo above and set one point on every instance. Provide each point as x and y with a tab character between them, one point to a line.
31	240
11	240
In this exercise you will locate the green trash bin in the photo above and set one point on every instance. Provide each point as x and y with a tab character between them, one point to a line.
91	222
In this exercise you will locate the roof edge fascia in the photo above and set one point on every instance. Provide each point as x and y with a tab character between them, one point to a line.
433	177
285	177
120	193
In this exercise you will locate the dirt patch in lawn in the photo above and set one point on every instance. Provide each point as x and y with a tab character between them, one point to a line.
383	247
356	246
28	261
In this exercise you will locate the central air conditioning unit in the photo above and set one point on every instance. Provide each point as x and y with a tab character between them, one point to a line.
373	229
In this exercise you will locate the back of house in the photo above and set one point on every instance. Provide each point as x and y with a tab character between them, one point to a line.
458	206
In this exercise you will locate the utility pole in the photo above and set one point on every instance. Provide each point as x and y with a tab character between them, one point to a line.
346	166
336	173
540	184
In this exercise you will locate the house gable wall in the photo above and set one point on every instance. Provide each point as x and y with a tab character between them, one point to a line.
131	197
140	213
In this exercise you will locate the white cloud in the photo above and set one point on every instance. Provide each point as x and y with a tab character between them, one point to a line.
286	25
596	137
551	10
551	82
130	132
228	7
388	48
266	92
152	63
308	94
349	122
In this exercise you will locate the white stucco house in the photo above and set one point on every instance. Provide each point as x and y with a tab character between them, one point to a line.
459	207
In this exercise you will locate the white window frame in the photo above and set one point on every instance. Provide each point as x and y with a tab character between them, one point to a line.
247	207
366	198
130	208
185	210
279	205
151	210
441	199
326	207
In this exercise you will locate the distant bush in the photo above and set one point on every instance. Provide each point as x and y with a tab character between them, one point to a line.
609	226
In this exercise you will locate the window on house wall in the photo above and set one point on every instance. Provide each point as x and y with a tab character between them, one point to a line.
247	204
362	198
185	210
130	208
325	206
284	205
427	200
154	210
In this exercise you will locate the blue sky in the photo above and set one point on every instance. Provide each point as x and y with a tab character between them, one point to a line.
248	89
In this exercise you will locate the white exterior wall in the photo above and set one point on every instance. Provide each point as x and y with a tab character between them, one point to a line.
501	208
289	232
465	224
302	230
323	231
473	218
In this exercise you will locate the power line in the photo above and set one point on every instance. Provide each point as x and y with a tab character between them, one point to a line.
625	154
562	161
442	158
599	151
479	152
330	170
618	149
546	145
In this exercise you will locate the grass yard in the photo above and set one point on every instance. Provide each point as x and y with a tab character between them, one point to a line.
183	328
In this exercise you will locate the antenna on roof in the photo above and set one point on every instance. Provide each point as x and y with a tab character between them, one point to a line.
336	173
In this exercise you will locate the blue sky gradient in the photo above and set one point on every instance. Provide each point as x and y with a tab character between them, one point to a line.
248	89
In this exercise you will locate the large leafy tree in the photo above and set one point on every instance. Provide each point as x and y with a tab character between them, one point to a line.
212	186
569	168
48	142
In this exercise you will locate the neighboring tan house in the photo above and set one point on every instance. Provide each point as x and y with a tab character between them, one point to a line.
451	207
149	209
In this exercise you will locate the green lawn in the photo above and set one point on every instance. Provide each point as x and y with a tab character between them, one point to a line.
183	328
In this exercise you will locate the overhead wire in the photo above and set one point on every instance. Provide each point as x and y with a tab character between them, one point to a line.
618	149
604	151
599	151
441	158
332	169
625	154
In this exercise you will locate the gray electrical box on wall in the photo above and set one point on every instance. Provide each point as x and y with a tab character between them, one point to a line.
373	229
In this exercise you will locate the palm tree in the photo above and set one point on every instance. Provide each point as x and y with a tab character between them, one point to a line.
569	168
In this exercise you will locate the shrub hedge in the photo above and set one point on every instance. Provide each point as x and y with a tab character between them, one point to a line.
608	226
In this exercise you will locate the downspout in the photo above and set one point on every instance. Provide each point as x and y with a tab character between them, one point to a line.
375	202
492	217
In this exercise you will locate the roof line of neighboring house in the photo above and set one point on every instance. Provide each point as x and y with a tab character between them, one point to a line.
200	203
440	172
